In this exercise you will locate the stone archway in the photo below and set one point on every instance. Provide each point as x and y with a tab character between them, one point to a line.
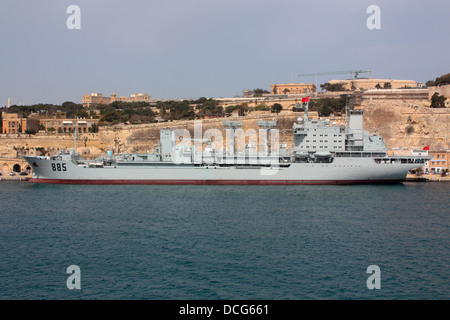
5	168
16	168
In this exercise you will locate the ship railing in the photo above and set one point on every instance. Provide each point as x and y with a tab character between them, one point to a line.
359	154
400	160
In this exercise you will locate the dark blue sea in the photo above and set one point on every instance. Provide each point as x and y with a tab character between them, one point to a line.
224	242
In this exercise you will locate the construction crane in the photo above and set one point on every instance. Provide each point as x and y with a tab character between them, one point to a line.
355	72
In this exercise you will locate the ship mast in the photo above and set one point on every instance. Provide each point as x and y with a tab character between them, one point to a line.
76	137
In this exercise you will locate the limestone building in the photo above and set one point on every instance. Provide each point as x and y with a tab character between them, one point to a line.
292	88
15	123
98	98
439	161
70	125
371	83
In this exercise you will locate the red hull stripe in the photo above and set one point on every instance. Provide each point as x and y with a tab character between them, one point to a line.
213	182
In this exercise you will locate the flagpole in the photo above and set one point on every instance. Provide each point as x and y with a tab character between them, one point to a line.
306	104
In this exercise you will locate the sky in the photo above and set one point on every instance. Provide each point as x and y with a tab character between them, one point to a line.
175	49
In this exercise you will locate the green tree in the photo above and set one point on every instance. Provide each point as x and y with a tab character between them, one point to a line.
210	107
111	116
259	92
437	101
387	85
82	114
230	109
440	81
332	87
410	129
94	128
327	106
325	111
71	108
241	108
276	108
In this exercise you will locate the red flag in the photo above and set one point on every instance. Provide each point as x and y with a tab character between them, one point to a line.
426	148
305	99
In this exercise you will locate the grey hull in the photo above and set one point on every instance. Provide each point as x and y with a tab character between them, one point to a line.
341	171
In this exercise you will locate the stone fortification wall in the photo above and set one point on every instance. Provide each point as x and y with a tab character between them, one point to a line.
408	125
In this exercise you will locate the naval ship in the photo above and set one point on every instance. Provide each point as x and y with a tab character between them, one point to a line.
322	153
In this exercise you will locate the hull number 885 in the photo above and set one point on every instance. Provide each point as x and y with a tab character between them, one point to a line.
59	167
